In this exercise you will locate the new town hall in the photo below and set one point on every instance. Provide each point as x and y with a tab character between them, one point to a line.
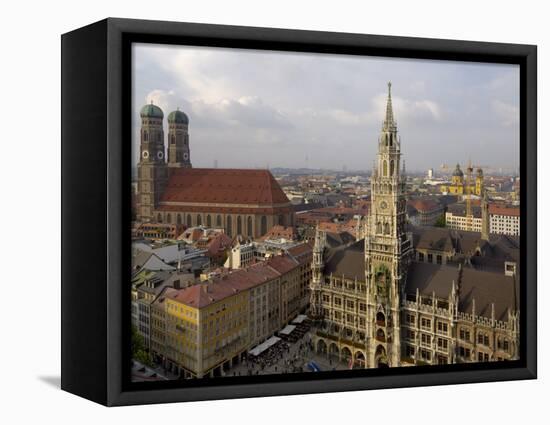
401	295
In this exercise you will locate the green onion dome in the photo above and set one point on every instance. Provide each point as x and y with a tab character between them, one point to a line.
151	111
178	117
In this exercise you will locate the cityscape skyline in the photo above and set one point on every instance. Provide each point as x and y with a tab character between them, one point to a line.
236	273
456	111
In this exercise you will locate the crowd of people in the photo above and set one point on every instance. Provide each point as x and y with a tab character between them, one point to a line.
288	355
298	333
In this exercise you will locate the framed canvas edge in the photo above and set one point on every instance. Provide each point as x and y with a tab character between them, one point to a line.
117	28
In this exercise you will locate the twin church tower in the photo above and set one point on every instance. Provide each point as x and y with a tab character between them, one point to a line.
153	167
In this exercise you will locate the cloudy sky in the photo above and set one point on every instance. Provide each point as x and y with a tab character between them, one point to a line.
251	109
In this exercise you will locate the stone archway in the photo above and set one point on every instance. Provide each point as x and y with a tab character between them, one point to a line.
333	350
359	360
346	355
380	335
380	357
321	347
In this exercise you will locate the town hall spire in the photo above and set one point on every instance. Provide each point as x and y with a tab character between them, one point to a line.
389	123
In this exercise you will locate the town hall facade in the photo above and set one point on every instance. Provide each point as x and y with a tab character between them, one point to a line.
402	295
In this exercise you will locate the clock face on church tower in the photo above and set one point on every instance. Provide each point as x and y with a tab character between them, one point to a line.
383	205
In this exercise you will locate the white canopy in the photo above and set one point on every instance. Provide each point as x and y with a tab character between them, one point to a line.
259	349
287	330
300	318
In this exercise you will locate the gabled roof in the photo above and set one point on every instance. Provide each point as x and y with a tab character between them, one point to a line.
503	210
429	278
424	205
433	238
302	252
486	287
204	294
346	260
337	239
282	263
225	186
447	240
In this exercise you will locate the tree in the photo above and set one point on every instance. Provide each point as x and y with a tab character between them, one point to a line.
139	350
440	222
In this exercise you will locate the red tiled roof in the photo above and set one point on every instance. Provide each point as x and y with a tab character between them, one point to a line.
279	231
204	294
299	250
503	210
224	186
424	205
281	263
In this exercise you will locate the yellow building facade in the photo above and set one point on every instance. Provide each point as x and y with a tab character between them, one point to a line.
205	329
459	186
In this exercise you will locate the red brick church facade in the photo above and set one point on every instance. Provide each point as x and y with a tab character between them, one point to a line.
244	202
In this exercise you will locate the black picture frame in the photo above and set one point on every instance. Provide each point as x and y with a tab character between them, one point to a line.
96	94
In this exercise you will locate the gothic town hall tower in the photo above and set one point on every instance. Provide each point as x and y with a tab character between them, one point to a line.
388	248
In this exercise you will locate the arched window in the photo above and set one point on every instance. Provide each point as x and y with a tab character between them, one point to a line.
208	221
392	167
249	226
189	220
282	220
239	225
385	168
378	227
229	226
178	219
219	221
380	335
386	228
173	140
380	319
168	218
145	136
159	218
199	220
263	225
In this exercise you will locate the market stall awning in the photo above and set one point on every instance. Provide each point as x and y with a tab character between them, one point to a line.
259	349
287	330
300	318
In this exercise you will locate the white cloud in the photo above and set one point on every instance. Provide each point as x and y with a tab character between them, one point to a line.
251	106
507	114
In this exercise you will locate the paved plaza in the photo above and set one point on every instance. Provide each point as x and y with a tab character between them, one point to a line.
286	357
